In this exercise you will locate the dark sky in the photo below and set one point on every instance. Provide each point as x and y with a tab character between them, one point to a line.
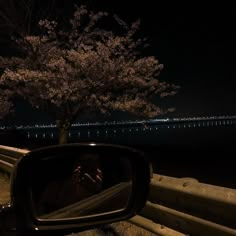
196	44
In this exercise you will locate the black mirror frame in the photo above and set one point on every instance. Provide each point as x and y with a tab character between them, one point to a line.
21	198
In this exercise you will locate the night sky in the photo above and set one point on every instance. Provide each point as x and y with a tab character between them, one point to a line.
196	44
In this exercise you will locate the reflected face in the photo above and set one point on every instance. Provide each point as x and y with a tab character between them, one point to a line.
81	185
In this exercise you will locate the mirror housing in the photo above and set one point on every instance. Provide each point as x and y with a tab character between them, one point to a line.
36	167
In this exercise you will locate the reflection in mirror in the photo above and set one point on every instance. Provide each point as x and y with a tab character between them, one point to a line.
85	184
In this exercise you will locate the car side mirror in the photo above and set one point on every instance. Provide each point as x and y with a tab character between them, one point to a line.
68	188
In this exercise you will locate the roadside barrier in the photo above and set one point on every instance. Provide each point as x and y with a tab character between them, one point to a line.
8	157
183	206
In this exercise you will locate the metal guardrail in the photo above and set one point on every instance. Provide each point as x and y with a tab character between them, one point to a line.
6	167
152	226
9	156
183	206
12	151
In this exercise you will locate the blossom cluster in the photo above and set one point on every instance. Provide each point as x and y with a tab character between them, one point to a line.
83	68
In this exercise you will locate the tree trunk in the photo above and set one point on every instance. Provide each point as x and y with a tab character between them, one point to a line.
63	132
63	135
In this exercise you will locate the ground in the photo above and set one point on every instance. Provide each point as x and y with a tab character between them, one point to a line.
4	189
118	229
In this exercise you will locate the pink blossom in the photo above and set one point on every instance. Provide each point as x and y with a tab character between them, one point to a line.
84	68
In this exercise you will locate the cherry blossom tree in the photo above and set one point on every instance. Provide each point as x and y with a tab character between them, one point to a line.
84	67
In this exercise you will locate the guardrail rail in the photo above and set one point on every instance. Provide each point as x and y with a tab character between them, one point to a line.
8	157
183	206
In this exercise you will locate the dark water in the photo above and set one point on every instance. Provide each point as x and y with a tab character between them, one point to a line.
205	153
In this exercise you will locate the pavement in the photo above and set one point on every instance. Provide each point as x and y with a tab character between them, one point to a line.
121	228
4	189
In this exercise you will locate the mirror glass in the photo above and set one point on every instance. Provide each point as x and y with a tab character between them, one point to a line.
81	184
